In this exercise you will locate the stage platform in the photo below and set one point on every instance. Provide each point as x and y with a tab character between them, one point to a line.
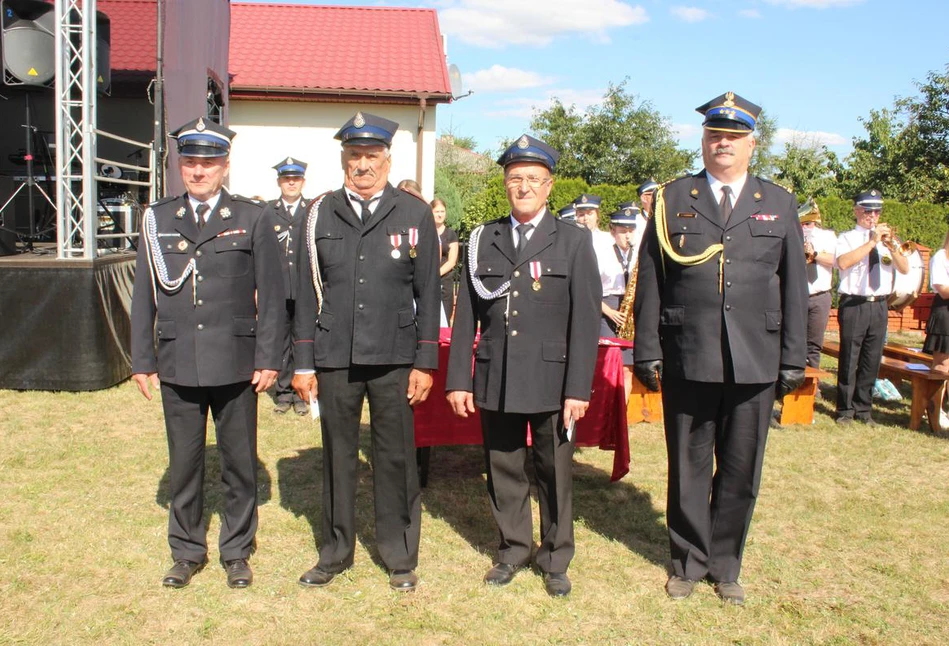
65	324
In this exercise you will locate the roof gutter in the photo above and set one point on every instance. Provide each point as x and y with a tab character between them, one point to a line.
338	92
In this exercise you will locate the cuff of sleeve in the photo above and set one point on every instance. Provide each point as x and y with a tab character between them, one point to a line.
304	372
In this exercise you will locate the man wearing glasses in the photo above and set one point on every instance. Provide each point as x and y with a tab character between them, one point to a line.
866	256
531	281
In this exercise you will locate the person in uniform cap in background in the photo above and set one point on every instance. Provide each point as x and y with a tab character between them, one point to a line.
568	214
866	257
530	282
640	221
617	265
819	249
288	212
587	208
721	321
647	195
367	319
209	274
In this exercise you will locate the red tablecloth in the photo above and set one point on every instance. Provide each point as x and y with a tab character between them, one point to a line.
603	426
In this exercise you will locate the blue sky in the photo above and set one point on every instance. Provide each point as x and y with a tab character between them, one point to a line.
816	66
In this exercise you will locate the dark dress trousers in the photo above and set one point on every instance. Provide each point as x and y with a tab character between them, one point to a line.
222	324
288	230
722	339
379	319
537	347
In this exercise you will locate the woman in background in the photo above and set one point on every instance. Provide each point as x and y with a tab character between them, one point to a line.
937	330
448	241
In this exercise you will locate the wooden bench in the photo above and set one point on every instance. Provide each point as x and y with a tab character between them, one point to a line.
926	384
798	407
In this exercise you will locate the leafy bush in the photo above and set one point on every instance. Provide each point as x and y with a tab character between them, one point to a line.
920	222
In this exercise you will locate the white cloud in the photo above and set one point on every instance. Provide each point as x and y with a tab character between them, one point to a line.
811	138
815	4
687	130
524	107
749	13
689	14
496	23
498	78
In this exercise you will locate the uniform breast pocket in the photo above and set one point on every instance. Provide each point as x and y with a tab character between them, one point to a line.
551	286
330	248
492	274
177	252
232	255
686	235
767	238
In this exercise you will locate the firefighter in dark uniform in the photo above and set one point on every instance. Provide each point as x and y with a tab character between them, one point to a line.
535	291
208	286
288	212
721	319
367	318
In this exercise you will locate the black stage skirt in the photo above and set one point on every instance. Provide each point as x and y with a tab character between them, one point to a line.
608	328
937	328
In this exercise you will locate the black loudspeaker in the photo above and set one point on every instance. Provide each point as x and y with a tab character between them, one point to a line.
29	44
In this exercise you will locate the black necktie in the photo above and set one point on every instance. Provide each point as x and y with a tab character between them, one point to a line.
725	206
365	213
874	269
522	230
812	272
290	211
200	211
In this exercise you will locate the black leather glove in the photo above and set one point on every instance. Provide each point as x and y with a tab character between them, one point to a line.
650	373
789	380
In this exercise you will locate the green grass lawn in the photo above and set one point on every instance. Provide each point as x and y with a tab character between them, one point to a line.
848	545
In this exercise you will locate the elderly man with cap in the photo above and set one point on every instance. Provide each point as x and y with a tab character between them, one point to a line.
367	316
819	250
721	302
530	283
209	274
647	195
866	258
288	212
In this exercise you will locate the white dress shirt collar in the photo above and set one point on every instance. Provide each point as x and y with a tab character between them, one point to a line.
211	202
717	184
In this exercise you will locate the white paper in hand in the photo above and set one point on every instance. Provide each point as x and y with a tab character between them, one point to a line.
314	407
570	426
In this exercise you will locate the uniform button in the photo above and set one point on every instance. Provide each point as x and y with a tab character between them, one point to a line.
728	284
360	306
513	332
362	280
200	302
728	238
290	263
361	257
728	308
200	279
200	326
516	294
291	251
198	253
517	274
514	313
728	261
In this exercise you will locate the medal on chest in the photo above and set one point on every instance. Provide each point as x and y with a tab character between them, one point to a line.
396	241
413	241
535	274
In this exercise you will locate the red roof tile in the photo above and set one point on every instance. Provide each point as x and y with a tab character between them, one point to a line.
345	49
133	29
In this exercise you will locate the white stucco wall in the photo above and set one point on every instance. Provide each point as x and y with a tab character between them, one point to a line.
268	132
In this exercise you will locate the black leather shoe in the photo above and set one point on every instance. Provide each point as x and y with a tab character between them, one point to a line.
678	588
869	421
316	577
181	572
557	584
300	408
239	574
281	407
403	580
501	573
730	592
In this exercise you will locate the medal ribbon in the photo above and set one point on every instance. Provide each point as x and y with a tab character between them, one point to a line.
413	237
535	270
396	241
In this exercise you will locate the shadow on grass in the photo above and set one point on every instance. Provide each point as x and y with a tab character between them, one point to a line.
896	414
214	489
300	480
620	511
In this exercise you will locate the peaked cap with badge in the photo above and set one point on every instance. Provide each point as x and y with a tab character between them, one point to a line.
567	213
203	138
587	201
871	200
290	167
649	185
529	149
626	215
729	113
365	129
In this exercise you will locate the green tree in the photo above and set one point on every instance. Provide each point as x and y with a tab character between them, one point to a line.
810	170
621	141
763	161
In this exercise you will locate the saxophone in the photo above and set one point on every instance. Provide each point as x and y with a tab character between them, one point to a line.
627	329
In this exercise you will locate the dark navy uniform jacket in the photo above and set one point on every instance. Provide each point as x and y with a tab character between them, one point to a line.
226	322
547	350
377	309
759	318
289	231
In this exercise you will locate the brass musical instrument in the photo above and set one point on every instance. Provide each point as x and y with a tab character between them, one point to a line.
810	254
894	244
628	329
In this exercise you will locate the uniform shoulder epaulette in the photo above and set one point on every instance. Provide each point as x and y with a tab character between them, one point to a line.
248	200
164	200
770	181
418	197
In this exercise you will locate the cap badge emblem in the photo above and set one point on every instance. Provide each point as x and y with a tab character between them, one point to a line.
873	193
225	213
289	161
584	199
729	100
522	143
628	211
200	125
359	121
180	213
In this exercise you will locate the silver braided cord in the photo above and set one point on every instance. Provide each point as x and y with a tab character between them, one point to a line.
156	260
311	218
479	287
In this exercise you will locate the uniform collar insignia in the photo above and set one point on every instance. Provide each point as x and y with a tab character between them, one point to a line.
180	213
757	196
695	192
276	227
225	213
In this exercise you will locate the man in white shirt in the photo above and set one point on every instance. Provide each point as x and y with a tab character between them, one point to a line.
866	258
820	247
